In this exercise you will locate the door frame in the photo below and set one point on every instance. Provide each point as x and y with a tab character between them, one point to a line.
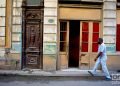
89	53
67	47
66	54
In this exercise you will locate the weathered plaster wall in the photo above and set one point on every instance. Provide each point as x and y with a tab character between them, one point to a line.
16	37
50	35
79	13
12	13
2	26
109	25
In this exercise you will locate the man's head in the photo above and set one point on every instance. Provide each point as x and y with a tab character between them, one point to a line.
100	40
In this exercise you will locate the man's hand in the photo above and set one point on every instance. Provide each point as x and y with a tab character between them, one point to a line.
95	59
99	55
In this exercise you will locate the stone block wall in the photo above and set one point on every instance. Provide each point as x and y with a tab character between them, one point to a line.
50	35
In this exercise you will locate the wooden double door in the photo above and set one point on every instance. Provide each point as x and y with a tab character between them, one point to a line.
32	37
78	41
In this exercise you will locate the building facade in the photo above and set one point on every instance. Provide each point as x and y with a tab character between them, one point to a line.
58	34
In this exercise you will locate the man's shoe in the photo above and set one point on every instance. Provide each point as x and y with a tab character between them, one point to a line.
108	79
90	73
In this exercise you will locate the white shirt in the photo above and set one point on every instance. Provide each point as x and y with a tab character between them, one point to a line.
102	48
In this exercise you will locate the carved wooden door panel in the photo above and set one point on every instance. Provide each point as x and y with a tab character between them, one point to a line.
32	38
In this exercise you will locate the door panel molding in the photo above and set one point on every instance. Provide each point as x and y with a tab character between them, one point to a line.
32	37
85	58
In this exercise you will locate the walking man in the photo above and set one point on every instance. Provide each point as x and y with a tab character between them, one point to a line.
101	59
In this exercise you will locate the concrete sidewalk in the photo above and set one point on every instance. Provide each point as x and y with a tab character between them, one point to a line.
36	72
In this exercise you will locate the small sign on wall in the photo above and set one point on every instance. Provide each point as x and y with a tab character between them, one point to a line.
111	48
50	20
49	48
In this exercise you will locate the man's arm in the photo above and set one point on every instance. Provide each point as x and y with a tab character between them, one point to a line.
99	55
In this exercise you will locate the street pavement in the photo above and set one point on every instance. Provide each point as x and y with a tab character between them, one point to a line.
15	80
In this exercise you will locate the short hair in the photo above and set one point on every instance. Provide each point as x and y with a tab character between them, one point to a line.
100	39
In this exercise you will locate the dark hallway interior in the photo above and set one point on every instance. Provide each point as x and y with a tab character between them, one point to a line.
74	43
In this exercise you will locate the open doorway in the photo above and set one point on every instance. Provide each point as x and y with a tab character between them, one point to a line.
74	43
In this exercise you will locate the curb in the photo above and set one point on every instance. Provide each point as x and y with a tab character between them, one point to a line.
48	74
